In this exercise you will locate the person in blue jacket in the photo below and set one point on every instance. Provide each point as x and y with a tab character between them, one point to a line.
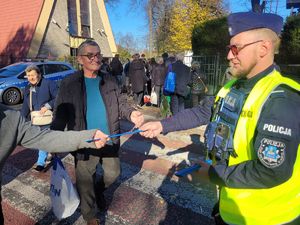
43	93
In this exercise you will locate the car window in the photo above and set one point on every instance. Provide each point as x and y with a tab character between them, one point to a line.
64	67
12	70
22	75
41	67
55	68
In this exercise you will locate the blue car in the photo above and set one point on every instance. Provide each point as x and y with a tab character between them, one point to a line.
13	78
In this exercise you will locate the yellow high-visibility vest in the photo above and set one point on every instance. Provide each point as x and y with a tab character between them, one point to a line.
277	205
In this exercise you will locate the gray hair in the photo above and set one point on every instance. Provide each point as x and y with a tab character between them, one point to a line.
32	67
84	44
160	60
195	64
180	56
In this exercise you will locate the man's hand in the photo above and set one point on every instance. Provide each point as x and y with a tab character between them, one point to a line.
151	129
137	118
103	139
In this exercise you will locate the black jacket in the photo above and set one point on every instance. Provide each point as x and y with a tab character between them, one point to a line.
159	73
70	109
137	75
183	78
116	67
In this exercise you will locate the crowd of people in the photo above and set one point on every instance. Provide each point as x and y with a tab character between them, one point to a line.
252	143
140	76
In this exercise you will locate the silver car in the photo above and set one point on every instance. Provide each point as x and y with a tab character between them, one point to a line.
13	78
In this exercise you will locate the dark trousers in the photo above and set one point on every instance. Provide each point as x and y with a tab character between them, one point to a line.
158	90
137	97
196	99
90	186
177	103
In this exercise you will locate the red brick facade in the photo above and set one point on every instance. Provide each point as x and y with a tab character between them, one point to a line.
18	20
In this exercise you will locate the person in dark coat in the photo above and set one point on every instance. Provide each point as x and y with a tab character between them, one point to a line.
90	99
105	67
165	56
158	77
171	59
117	69
126	73
183	78
199	84
43	96
138	79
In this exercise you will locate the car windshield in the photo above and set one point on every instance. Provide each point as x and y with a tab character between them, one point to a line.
12	70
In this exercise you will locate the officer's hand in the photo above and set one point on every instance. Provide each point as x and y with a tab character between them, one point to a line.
103	138
151	129
137	118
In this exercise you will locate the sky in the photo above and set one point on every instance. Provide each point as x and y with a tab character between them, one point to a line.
125	19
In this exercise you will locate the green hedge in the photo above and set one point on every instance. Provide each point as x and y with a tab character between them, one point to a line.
211	37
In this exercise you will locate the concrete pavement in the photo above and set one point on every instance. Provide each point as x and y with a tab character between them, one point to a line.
147	192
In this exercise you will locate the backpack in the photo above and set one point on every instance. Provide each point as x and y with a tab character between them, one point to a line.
170	82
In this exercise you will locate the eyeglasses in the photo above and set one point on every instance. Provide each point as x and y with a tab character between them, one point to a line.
91	56
236	49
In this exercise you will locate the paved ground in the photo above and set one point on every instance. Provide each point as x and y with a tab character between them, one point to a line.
146	193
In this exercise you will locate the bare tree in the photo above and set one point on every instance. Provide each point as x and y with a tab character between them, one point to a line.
257	7
111	2
128	42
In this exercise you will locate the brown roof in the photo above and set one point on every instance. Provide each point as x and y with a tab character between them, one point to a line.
18	20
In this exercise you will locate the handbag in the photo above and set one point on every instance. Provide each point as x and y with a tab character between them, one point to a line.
147	98
198	86
154	97
63	195
37	118
170	82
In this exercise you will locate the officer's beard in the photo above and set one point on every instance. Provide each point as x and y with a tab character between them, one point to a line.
242	73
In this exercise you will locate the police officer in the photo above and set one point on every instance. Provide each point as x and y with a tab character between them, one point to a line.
253	135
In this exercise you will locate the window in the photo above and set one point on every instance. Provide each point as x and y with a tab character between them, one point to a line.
55	68
41	67
22	75
85	18
72	17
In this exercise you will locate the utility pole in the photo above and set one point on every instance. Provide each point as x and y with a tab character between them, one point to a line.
150	8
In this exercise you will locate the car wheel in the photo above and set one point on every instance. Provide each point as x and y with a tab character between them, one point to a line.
11	96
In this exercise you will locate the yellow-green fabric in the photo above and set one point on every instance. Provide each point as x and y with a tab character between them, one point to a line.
276	205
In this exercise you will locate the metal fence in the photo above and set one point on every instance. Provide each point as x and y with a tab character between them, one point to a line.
214	68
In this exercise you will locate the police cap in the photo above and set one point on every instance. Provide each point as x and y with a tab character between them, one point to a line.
244	21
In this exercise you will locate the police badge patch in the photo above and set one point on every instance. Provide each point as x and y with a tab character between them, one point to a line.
271	153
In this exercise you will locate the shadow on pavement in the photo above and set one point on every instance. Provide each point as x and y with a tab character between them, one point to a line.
185	215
